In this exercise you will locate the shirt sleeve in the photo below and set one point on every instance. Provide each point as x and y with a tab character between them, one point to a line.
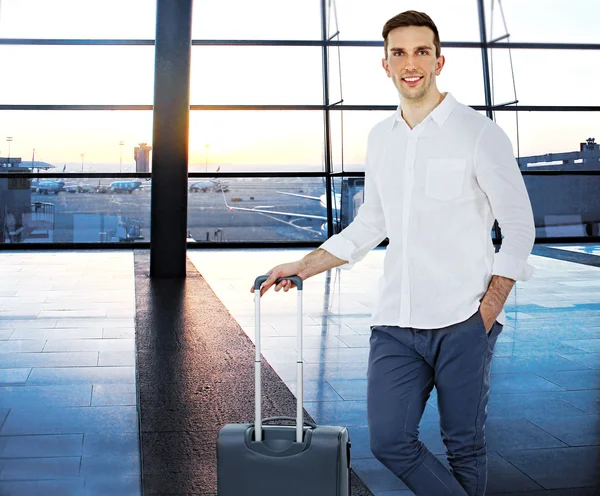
365	232
500	178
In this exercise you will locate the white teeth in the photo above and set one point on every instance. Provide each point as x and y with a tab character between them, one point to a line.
412	80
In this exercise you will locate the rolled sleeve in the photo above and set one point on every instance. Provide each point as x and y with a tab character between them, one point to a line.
501	180
365	232
506	265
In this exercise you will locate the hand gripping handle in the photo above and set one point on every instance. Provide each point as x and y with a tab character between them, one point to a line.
297	280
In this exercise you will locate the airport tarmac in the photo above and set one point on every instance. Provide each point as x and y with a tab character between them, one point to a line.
82	217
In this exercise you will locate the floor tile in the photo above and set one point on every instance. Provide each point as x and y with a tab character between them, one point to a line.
503	365
121	486
39	468
573	379
110	467
316	391
574	431
82	375
520	383
589	360
514	434
114	444
68	445
116	359
505	477
70	420
114	394
529	406
558	468
21	346
63	345
14	377
14	360
45	396
587	400
60	487
376	476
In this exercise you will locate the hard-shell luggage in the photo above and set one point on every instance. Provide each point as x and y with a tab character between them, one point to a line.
258	459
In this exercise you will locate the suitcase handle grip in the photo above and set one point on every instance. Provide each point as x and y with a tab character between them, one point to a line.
297	280
310	423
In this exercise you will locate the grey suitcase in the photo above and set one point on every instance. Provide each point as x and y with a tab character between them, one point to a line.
282	460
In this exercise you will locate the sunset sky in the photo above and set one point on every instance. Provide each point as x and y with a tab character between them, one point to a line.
277	75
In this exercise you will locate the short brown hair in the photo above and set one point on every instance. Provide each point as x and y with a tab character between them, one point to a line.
411	18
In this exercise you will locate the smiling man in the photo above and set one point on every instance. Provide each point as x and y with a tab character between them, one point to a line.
437	174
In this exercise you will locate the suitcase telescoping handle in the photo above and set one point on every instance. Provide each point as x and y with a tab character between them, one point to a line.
299	363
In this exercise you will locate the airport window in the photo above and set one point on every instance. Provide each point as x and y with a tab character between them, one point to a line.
274	140
364	81
256	75
360	20
558	21
540	75
257	20
74	19
76	75
82	94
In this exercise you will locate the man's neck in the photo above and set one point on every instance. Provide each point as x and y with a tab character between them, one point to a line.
415	112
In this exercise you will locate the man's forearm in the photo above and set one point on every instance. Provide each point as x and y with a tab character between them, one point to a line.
496	295
318	261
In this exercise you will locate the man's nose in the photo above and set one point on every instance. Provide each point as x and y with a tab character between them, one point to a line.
410	63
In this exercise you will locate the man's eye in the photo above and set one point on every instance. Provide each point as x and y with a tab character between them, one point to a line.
423	52
397	53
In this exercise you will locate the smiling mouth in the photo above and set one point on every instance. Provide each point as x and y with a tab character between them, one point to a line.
412	79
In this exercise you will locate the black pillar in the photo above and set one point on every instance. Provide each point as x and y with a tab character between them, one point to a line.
327	121
170	138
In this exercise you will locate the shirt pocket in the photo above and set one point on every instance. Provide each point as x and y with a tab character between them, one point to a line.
445	178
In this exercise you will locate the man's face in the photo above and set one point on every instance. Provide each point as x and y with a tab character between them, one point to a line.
411	61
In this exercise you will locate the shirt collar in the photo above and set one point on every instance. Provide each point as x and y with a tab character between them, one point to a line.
439	114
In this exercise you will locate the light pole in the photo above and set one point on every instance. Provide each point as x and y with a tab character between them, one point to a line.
207	146
121	143
82	156
9	139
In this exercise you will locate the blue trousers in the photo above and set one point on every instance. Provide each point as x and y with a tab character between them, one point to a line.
404	366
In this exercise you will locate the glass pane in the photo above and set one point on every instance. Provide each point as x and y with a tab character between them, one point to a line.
59	138
77	75
348	196
541	75
133	19
565	205
350	149
256	75
548	132
256	140
256	20
364	81
51	210
550	21
258	209
360	20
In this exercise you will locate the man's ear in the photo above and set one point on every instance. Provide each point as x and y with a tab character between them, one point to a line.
441	61
386	67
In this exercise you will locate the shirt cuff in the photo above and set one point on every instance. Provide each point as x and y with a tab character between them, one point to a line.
511	267
340	247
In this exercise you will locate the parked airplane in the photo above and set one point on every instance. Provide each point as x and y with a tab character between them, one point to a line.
124	186
214	184
47	186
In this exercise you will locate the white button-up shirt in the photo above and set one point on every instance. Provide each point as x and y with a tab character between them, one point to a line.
434	192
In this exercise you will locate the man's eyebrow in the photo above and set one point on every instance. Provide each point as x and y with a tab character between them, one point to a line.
422	47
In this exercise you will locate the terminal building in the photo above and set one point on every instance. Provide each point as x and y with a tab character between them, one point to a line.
127	326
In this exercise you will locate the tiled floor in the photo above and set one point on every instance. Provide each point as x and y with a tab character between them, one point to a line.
589	249
68	417
68	420
544	411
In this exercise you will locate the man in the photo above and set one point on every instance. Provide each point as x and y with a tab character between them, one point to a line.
437	174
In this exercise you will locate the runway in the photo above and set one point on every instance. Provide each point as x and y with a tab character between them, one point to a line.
94	217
